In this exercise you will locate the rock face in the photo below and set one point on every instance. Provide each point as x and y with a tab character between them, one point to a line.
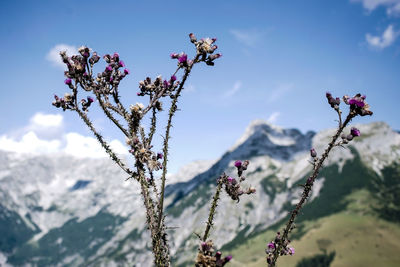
64	211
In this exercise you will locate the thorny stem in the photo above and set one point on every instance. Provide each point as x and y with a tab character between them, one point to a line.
172	111
109	115
213	209
160	249
120	106
104	144
115	109
153	126
308	188
154	185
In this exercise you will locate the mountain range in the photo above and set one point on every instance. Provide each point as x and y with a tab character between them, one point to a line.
57	210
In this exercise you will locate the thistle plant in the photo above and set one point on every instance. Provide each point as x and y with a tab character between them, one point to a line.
103	89
357	107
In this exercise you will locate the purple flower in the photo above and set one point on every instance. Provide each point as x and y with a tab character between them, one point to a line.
271	245
121	63
173	78
166	84
90	99
174	55
228	258
230	179
291	251
204	246
355	132
160	155
238	164
126	71
116	56
182	58
68	81
214	56
108	68
359	102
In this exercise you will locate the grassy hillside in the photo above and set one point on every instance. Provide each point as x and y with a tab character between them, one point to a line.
354	222
356	235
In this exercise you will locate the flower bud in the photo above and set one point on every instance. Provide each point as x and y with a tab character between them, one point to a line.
228	258
107	58
121	64
313	152
349	137
68	81
108	68
193	38
115	57
355	132
182	58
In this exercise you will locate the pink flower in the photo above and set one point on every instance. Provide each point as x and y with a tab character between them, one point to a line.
182	58
355	132
238	164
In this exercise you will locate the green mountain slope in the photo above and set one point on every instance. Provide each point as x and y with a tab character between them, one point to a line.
364	232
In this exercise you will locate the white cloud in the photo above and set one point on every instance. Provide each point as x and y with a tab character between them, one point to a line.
247	37
394	10
29	143
392	6
88	147
34	140
279	91
386	39
54	54
47	120
190	88
236	87
45	126
273	117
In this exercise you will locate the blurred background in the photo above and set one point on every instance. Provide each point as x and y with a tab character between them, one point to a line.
264	100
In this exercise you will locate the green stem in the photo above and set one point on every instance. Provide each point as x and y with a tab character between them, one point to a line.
213	209
307	189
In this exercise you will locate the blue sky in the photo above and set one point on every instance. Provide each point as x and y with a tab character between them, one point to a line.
279	59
